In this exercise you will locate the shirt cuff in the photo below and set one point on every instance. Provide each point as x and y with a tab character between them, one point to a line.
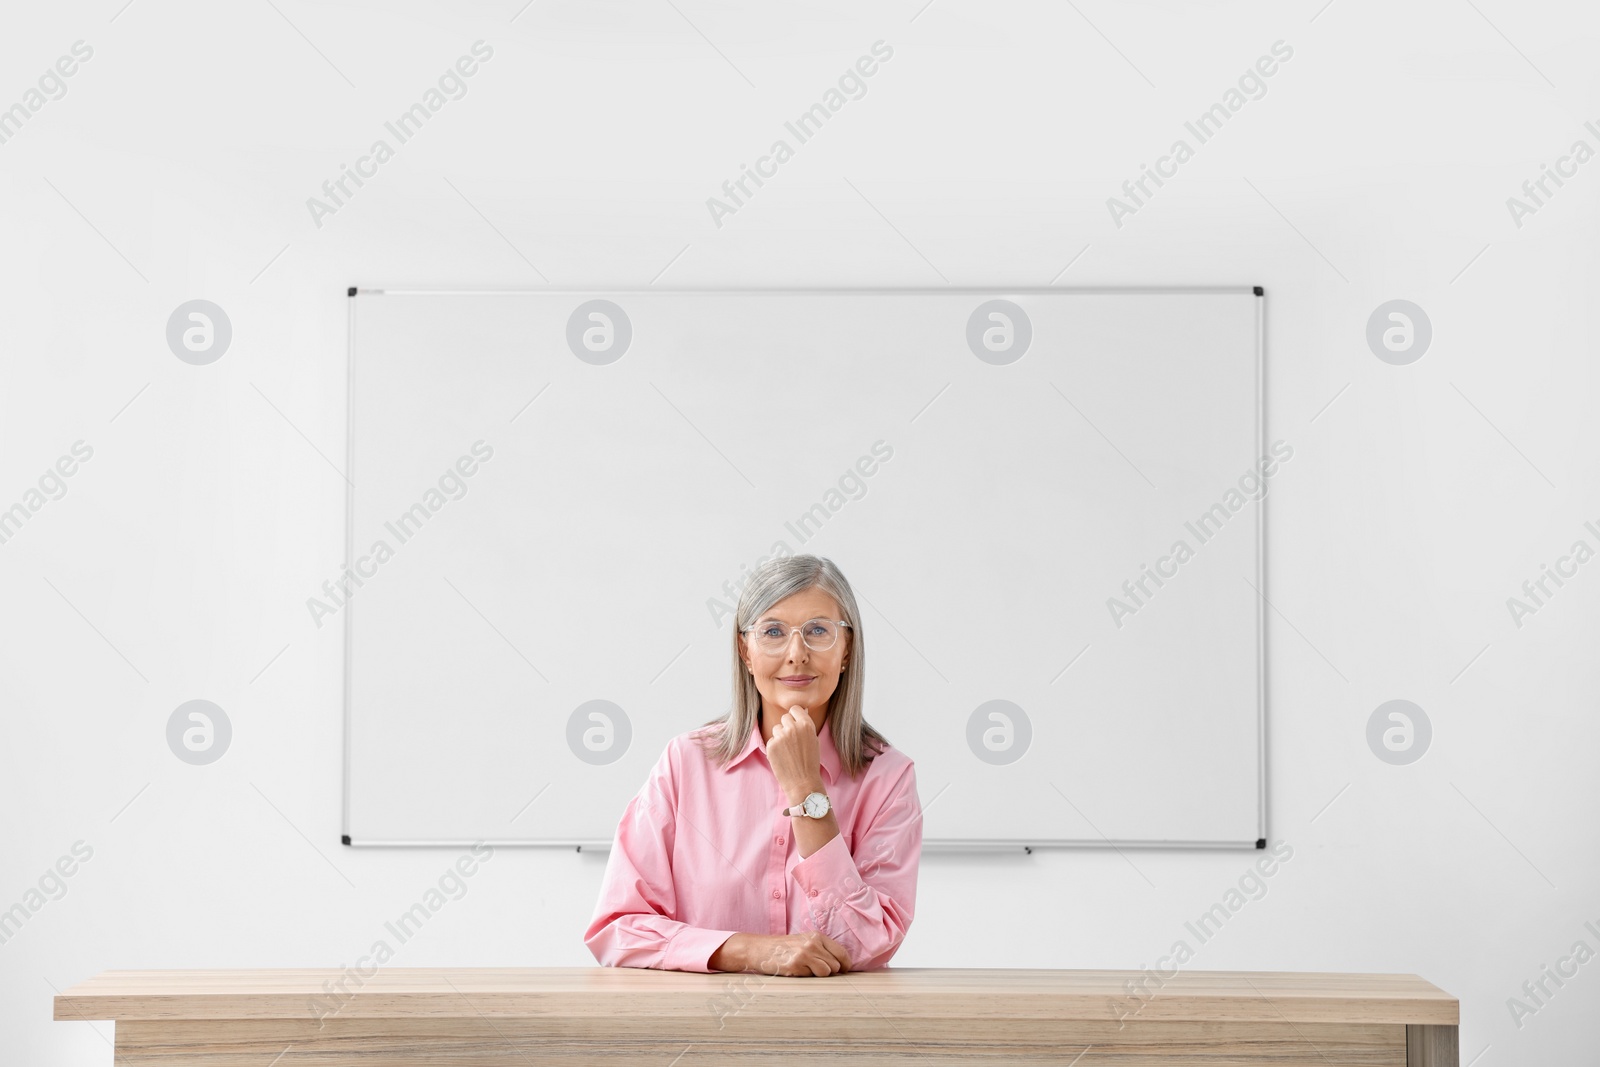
829	872
692	948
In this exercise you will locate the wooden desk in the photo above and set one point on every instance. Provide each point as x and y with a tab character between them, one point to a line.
487	1017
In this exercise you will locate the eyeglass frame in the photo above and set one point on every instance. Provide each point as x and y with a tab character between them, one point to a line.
789	637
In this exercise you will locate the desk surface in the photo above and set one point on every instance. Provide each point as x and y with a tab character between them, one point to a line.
898	993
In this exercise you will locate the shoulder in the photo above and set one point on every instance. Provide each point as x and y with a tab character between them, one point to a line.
682	763
889	766
689	752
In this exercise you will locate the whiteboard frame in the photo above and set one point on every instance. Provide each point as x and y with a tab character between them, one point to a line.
940	845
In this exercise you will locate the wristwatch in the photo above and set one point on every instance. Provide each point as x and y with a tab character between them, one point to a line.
814	806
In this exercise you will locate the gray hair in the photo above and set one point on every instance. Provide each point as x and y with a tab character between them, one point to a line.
775	580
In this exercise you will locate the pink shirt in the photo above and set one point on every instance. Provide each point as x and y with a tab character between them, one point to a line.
703	852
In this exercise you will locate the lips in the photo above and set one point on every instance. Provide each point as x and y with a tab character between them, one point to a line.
798	681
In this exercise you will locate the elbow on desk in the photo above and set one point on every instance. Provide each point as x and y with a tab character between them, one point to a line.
881	960
616	942
604	939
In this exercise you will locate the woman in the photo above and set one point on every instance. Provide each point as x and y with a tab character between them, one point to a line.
783	837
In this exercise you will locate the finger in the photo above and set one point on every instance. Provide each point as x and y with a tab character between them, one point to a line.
828	950
839	951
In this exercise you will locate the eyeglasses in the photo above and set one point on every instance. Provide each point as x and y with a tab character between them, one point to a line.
773	636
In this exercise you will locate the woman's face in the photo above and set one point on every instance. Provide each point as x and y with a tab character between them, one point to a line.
797	674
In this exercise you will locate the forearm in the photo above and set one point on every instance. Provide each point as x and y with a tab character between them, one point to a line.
867	918
653	940
867	921
867	906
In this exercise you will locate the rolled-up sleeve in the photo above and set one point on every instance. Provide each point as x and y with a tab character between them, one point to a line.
865	901
632	926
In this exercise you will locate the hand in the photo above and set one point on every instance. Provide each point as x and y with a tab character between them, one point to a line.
811	954
795	754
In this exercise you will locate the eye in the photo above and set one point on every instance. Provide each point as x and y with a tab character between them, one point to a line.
771	629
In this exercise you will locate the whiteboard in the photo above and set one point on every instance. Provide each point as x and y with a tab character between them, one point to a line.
554	496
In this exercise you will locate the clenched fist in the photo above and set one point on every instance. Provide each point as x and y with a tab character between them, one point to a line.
796	754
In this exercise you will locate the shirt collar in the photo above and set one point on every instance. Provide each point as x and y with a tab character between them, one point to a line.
829	754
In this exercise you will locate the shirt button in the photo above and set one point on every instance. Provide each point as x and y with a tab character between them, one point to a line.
776	893
778	840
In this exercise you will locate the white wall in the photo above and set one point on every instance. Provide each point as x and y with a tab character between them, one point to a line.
1376	166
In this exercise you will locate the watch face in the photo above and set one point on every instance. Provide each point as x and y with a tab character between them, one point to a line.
816	805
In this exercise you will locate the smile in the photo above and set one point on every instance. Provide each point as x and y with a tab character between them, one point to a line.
797	683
